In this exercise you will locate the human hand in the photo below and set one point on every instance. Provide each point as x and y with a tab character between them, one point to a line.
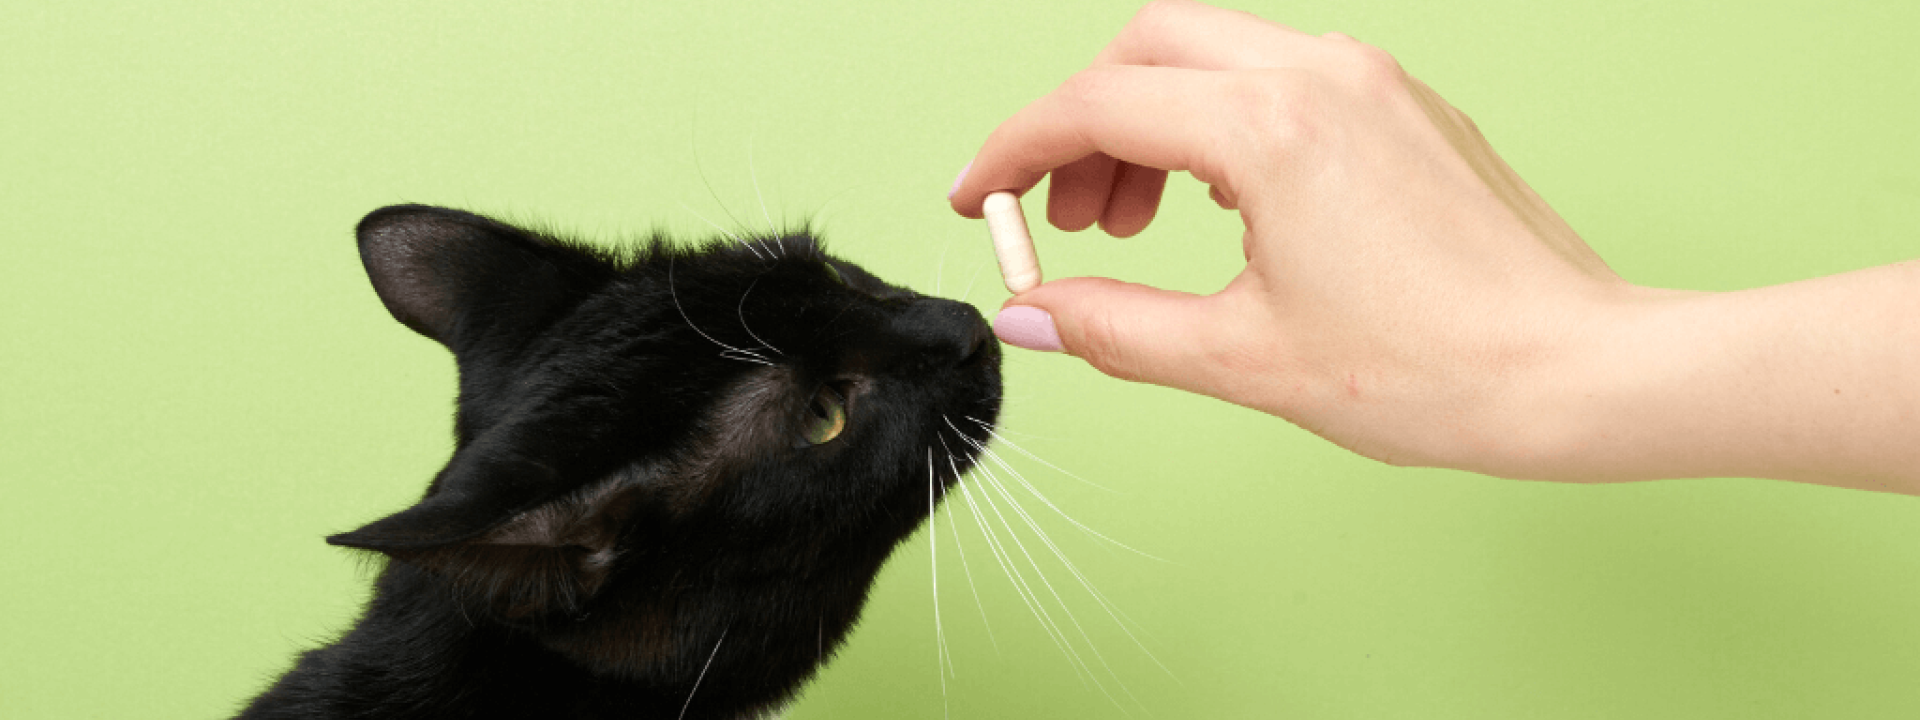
1406	295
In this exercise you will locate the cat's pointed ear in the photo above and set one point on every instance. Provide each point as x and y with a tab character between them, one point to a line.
516	563
433	266
475	494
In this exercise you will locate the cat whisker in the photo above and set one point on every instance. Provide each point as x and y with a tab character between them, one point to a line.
755	359
1034	563
995	457
943	659
940	268
703	671
729	233
961	548
816	223
1004	430
1119	616
1099	597
992	481
1036	458
741	310
750	356
754	174
1018	580
965	567
1065	642
694	145
976	276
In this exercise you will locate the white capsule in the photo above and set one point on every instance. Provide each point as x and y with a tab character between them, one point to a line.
1019	266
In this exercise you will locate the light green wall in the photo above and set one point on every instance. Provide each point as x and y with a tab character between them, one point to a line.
196	383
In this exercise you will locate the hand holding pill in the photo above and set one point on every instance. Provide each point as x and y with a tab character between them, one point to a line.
1405	293
1366	310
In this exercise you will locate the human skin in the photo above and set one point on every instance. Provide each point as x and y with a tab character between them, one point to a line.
1409	297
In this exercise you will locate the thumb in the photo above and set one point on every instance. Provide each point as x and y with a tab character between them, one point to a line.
1129	331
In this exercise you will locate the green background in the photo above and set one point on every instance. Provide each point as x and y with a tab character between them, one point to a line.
197	384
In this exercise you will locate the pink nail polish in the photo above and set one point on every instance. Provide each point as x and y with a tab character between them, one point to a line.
1027	327
958	180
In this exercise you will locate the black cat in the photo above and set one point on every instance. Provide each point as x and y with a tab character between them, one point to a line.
676	473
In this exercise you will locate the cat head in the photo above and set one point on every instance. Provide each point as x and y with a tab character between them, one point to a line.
742	427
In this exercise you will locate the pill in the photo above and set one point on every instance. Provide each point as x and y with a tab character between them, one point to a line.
1019	267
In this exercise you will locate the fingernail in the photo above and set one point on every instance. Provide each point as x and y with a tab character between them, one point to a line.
958	180
1027	327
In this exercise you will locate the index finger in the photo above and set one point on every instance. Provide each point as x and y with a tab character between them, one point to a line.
1178	33
1163	118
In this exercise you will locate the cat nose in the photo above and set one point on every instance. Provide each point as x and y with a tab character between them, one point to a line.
981	343
951	331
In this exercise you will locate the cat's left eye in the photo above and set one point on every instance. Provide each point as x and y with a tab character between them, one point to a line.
834	272
824	418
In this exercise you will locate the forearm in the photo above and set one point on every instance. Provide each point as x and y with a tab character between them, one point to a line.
1815	381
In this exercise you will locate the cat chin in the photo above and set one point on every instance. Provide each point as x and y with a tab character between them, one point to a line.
756	654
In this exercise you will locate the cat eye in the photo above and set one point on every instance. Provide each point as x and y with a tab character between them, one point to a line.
824	418
834	272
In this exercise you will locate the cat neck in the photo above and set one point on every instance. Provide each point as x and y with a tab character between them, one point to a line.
416	653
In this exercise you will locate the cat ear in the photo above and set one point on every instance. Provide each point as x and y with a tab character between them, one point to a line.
432	266
474	495
550	558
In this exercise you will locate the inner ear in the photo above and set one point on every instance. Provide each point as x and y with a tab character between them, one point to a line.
410	255
590	519
437	270
550	559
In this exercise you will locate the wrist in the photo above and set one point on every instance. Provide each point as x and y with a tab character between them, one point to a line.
1810	381
1605	401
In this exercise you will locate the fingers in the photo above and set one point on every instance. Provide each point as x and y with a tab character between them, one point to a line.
1132	332
1221	199
1160	118
1121	196
1183	34
1077	195
1154	101
1135	198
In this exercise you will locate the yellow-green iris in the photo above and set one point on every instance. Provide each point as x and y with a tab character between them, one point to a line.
826	417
